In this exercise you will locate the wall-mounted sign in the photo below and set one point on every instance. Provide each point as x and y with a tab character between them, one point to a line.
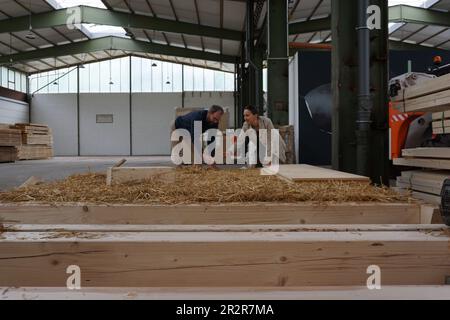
104	118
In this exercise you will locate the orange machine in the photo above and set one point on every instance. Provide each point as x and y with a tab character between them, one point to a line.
399	124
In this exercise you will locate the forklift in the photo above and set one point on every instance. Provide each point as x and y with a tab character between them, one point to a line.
414	129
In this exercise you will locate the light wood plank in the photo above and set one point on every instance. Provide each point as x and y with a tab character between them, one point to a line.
256	213
438	153
434	175
303	172
224	259
440	124
428	198
274	293
219	228
428	186
440	115
427	87
31	181
445	130
423	163
436	102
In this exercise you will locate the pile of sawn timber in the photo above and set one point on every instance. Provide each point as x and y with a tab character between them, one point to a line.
426	182
432	95
37	142
10	139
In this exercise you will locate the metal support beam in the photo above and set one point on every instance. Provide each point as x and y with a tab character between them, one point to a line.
310	26
90	15
397	14
114	43
345	94
379	75
343	84
408	14
277	62
250	53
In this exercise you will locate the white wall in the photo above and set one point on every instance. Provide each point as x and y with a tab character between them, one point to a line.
59	111
104	139
152	115
13	111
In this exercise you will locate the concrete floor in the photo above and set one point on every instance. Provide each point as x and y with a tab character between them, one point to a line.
14	174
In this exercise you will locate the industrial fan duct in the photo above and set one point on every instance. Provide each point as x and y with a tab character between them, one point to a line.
318	101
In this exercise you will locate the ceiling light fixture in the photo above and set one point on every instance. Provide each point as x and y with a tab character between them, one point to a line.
30	35
111	82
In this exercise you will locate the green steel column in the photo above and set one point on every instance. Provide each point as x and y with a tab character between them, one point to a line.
251	67
345	94
344	86
277	62
379	156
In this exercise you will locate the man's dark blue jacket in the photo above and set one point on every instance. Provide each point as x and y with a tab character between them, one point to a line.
187	122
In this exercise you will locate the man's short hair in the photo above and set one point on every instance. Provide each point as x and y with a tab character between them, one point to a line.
215	109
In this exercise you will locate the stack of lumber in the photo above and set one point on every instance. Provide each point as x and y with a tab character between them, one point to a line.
224	121
431	158
425	185
441	122
432	95
9	140
37	141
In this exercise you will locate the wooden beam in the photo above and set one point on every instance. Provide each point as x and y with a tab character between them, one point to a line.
224	259
439	153
216	228
258	213
276	293
423	163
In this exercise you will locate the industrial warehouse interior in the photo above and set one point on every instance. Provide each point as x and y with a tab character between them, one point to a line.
225	150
